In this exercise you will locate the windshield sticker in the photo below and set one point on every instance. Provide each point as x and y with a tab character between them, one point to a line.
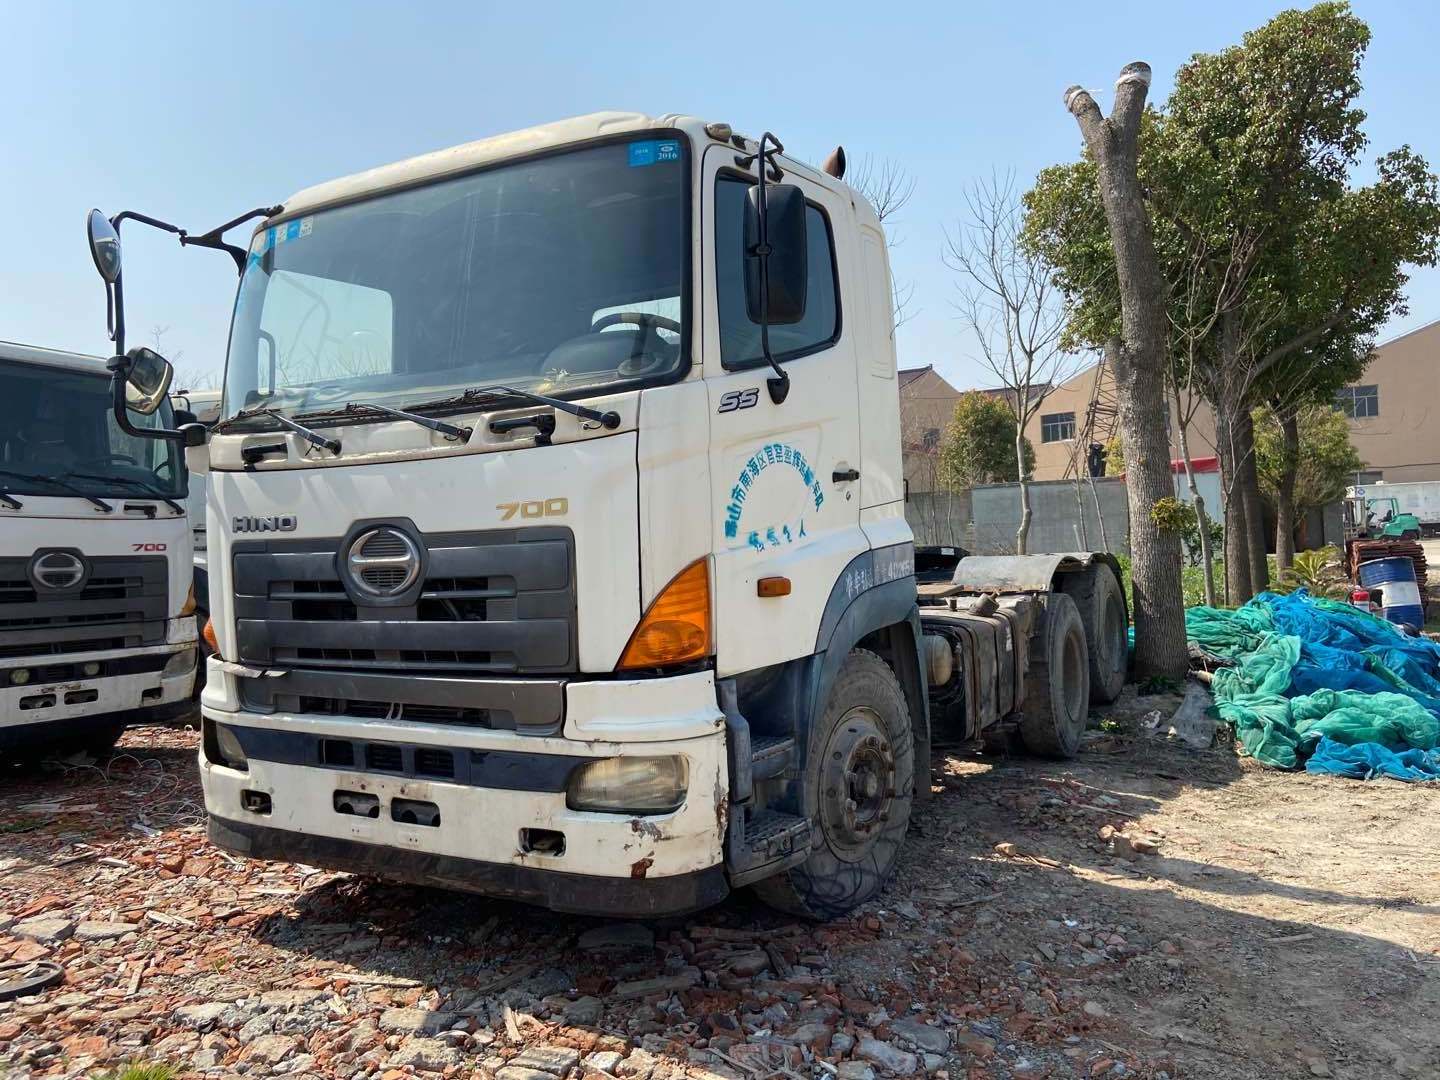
783	528
276	235
654	152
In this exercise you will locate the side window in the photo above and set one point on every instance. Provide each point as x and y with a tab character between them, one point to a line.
739	337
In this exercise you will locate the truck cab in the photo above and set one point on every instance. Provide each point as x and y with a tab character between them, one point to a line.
555	541
96	623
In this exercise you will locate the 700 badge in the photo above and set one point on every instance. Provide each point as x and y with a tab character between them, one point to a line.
534	509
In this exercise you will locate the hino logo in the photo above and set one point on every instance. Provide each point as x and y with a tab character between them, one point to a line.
273	523
56	570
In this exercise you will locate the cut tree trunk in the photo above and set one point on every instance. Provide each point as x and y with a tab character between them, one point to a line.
1140	365
1285	493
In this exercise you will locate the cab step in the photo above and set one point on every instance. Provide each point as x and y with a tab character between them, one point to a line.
766	842
770	755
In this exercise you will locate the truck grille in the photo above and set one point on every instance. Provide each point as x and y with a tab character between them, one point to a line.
123	604
496	602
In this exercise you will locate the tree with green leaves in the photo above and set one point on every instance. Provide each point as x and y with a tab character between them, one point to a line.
1278	270
1304	460
979	445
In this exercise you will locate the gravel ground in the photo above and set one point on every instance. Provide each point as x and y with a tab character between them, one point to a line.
1144	911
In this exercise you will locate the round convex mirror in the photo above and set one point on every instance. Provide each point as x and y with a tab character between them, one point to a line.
104	245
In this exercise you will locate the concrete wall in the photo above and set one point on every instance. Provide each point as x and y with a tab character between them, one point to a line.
984	519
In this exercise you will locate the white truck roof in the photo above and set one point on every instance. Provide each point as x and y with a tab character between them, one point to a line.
34	354
474	155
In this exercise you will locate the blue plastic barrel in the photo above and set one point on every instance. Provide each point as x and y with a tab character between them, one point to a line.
1395	578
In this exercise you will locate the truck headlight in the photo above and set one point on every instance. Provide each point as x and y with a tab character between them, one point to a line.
19	676
629	785
180	663
222	747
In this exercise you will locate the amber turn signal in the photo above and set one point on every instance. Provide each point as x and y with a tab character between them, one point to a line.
676	626
208	633
773	586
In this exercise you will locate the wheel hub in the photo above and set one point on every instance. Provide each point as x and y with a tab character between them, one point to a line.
857	784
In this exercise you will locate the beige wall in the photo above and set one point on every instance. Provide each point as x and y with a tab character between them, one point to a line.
927	402
1052	459
1402	442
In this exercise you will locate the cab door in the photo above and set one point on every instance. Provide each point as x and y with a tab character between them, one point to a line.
785	479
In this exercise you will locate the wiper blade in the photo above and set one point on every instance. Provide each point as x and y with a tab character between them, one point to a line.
450	431
314	438
609	419
149	489
10	502
63	485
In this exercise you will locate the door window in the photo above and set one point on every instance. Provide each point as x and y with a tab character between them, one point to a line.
739	337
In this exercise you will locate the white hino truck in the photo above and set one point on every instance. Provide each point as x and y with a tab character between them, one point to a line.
556	541
96	627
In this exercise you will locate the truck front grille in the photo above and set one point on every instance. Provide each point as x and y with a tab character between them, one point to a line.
496	602
123	604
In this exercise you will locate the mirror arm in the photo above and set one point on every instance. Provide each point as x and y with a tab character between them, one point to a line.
779	383
214	239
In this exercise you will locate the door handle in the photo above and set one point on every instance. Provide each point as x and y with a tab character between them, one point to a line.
840	476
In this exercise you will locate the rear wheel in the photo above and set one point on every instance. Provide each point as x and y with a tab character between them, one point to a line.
1410	534
1057	684
859	785
1101	603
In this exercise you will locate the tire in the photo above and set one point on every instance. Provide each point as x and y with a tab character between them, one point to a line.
1410	534
863	740
1101	602
1057	683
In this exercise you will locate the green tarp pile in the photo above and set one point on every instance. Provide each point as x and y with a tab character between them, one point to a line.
1307	669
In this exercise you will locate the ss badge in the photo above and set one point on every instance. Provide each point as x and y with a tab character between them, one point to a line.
739	399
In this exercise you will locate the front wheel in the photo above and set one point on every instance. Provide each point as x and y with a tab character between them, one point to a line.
859	785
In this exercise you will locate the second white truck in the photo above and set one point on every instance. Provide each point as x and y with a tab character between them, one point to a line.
96	623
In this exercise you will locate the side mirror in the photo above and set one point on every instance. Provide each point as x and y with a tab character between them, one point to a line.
104	246
782	302
146	380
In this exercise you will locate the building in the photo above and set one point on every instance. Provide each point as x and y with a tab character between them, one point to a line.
1394	409
927	402
1394	412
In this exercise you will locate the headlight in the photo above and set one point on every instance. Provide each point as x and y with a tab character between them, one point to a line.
180	663
629	785
222	747
90	668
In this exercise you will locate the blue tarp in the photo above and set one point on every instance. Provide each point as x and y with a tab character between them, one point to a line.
1312	673
1366	760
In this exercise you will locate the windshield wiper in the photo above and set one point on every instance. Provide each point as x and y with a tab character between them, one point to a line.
450	431
10	502
609	419
149	489
102	506
314	438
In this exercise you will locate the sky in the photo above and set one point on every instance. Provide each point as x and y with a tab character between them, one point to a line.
198	112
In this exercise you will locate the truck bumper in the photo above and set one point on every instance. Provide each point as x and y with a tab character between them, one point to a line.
59	701
338	792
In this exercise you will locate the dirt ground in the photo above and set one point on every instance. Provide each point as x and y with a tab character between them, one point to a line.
1243	923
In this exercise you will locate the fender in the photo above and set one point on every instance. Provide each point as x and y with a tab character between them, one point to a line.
873	605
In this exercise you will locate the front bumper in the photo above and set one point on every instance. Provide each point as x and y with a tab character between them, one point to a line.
41	709
503	788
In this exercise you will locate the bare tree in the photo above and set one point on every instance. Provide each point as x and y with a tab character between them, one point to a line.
1140	367
888	188
1009	300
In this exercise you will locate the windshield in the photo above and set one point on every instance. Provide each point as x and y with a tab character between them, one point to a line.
560	275
56	422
